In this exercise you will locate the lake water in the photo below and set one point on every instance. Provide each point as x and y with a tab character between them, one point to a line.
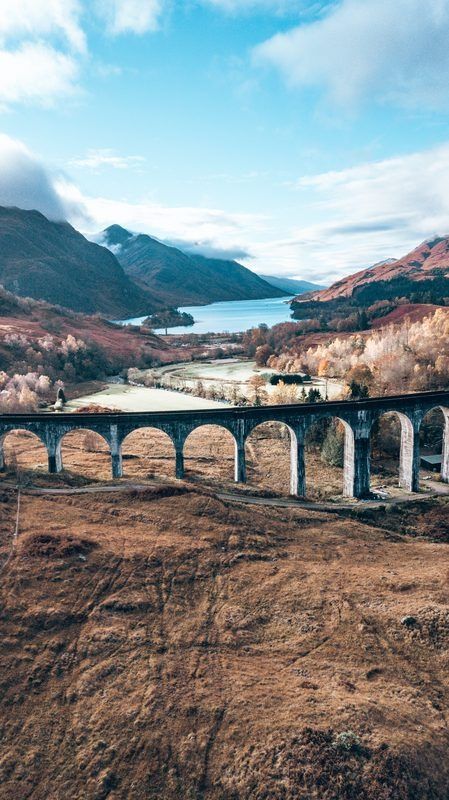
232	316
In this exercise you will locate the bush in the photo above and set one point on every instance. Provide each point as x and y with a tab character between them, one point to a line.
349	742
289	378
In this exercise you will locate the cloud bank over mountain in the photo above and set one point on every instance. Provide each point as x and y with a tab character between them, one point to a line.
26	183
356	216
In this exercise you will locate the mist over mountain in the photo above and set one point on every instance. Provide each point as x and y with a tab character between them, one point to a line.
174	277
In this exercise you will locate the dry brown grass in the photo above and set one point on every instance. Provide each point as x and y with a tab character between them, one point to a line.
167	645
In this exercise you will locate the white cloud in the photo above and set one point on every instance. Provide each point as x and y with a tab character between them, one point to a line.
38	18
212	227
35	72
26	183
368	213
42	43
130	16
358	216
95	159
209	249
32	68
392	51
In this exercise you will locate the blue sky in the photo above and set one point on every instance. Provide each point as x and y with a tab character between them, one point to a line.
305	138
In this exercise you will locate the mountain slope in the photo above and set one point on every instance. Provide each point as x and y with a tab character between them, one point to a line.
52	261
178	278
28	321
428	263
291	285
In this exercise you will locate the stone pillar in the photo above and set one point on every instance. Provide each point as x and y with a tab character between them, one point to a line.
297	462
349	462
356	462
240	461
362	467
116	452
117	464
180	463
2	456
54	458
410	457
445	456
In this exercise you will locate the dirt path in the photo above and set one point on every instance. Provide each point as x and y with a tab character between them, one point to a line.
436	490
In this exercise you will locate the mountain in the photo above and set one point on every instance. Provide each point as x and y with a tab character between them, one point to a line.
52	261
424	271
291	285
176	278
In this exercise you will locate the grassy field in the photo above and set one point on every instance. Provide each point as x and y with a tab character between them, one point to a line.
169	645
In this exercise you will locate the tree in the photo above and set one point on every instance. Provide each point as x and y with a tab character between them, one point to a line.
314	396
362	321
358	391
284	394
258	394
262	354
333	448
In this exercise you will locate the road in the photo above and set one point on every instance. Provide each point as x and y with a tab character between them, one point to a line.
436	489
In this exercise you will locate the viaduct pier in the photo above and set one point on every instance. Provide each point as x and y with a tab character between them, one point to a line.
357	416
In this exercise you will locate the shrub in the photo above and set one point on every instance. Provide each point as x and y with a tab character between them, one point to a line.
333	448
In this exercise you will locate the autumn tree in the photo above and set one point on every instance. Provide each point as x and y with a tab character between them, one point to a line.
258	394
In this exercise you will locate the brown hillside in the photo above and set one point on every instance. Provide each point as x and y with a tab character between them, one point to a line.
429	260
52	261
114	341
168	646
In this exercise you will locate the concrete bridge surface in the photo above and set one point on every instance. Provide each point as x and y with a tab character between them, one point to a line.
358	418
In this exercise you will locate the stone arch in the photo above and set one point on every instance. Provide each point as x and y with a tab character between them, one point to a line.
265	464
147	448
330	453
85	451
218	452
399	440
436	440
25	449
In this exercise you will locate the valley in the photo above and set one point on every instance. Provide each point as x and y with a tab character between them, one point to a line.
227	377
224	400
192	636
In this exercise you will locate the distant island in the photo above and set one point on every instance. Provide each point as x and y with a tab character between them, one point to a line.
169	318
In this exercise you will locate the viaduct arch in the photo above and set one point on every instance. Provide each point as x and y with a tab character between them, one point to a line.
357	416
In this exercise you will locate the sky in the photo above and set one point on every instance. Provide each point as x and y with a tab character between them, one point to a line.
308	138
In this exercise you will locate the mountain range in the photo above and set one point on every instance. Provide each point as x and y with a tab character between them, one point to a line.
291	285
133	275
136	274
173	277
424	269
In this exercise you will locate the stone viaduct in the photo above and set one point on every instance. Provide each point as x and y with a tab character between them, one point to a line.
357	416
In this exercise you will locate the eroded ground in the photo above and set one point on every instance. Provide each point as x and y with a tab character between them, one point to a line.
167	645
